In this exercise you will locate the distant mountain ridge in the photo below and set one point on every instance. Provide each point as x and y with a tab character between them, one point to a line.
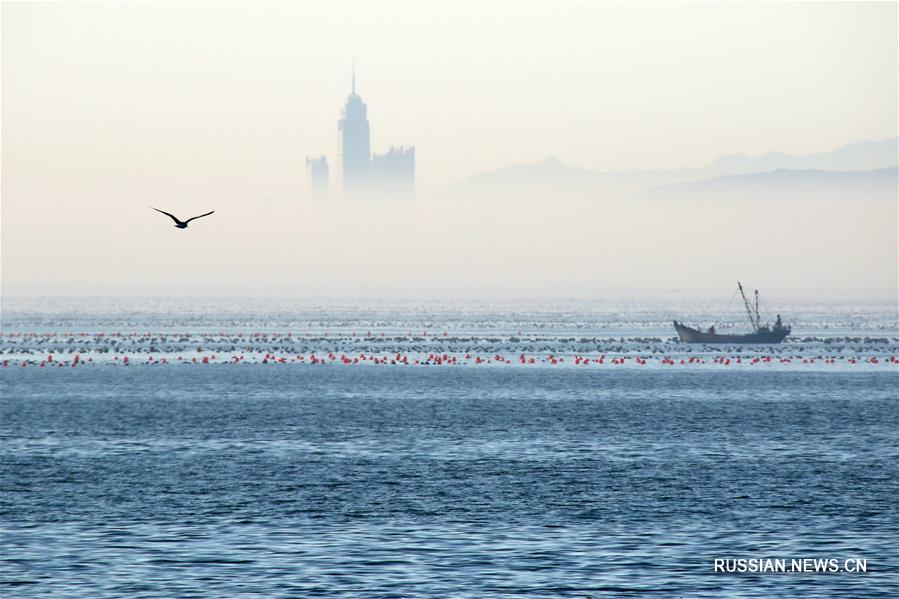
858	156
553	174
879	182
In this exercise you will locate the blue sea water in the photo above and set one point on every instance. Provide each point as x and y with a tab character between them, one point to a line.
268	479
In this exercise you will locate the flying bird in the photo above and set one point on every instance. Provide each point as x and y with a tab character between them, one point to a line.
181	224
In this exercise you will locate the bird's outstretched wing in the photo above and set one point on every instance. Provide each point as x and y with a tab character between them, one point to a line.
171	216
196	217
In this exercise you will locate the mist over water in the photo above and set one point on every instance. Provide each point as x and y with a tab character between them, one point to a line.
221	116
467	245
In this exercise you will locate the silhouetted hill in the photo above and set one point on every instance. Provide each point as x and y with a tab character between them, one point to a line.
552	175
806	183
859	156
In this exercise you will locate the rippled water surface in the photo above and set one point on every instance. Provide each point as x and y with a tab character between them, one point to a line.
265	478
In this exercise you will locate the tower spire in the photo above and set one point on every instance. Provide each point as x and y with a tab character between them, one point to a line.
354	76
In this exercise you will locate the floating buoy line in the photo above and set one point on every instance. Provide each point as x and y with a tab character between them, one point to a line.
427	348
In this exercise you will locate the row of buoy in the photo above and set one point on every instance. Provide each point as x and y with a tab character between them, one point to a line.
451	360
239	335
398	334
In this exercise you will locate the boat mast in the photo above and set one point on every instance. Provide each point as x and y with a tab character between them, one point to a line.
758	319
748	308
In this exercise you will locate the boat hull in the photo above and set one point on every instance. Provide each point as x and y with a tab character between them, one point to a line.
691	335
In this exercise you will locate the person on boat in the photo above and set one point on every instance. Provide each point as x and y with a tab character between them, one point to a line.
778	324
712	330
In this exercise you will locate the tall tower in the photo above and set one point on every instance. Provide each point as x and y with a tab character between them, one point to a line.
355	143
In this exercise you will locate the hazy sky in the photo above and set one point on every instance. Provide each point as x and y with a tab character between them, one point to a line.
109	107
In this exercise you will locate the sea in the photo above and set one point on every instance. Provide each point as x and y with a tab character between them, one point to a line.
179	447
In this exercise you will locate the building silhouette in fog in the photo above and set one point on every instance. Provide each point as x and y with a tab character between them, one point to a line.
317	171
355	144
363	175
393	173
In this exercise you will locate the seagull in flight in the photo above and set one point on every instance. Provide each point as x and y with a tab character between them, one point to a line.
181	224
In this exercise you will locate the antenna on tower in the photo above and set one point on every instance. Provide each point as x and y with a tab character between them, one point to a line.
354	76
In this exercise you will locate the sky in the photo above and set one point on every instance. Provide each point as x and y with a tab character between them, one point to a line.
108	108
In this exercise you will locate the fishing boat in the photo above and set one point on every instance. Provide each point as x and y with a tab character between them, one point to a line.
761	333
